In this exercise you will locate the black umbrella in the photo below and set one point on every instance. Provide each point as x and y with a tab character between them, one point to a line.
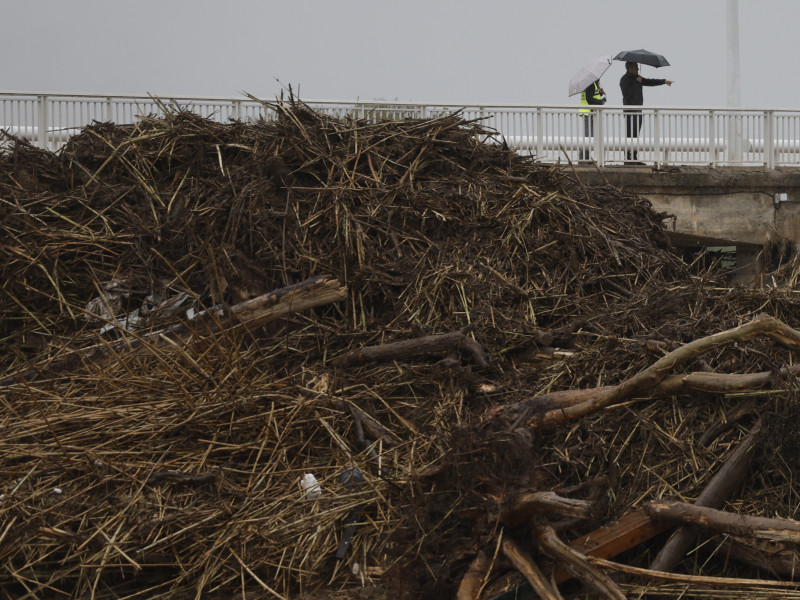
643	56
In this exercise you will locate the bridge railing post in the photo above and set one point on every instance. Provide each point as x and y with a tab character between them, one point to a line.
599	134
539	133
769	139
713	157
657	137
735	134
41	137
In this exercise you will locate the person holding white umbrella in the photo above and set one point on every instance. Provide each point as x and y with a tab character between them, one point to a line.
587	82
593	95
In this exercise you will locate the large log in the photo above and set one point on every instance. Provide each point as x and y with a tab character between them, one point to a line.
252	313
716	492
760	528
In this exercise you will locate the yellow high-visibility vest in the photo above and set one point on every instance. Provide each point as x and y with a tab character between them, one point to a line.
597	96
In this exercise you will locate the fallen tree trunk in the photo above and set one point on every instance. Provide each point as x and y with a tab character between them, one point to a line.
443	343
255	312
760	528
716	492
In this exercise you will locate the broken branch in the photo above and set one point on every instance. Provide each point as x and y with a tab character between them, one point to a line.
645	381
523	507
760	528
576	563
442	343
525	564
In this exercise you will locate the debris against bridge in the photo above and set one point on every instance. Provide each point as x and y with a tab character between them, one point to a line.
316	357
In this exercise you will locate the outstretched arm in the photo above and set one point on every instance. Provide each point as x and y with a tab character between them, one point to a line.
651	82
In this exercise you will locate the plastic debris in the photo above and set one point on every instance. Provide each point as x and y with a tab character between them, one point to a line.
311	487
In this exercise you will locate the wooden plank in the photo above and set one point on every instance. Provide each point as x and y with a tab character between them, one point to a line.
610	540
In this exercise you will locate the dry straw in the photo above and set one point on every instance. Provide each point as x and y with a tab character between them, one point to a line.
174	471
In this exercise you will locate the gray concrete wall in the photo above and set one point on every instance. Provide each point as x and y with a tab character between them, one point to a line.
722	206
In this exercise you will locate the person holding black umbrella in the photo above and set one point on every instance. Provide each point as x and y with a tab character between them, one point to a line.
631	85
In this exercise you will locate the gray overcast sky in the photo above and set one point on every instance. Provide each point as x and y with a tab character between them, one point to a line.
460	51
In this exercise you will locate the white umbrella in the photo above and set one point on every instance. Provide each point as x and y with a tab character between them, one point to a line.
589	73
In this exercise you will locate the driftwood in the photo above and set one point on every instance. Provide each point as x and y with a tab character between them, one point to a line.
472	581
444	343
521	508
732	417
760	528
252	313
576	563
647	381
525	564
774	558
712	582
716	492
698	381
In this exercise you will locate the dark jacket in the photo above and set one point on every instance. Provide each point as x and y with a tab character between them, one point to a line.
632	89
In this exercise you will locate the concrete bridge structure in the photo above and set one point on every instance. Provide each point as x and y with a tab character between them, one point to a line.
725	206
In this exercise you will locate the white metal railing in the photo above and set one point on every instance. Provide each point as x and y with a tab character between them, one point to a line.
688	136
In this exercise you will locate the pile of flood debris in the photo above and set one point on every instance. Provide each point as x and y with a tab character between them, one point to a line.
313	356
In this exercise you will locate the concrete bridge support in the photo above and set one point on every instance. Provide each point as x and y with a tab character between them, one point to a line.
748	208
750	264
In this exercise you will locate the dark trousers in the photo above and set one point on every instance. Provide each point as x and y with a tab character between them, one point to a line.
588	131
633	123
